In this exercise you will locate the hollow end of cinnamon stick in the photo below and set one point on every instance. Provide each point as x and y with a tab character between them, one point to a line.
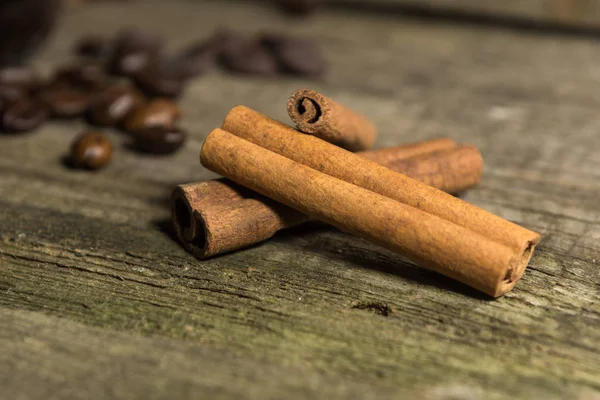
516	269
189	229
320	116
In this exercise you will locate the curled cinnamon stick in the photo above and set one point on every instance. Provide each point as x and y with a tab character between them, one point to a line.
323	117
219	216
345	166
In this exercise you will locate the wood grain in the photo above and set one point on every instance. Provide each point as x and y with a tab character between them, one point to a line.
95	293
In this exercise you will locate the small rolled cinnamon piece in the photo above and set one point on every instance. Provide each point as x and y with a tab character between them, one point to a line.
220	216
325	118
346	166
425	238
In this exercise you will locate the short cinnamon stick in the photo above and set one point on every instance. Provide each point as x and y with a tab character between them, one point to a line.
323	117
439	244
219	216
346	166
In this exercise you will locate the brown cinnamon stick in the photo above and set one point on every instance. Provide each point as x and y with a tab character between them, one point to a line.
323	117
218	216
345	166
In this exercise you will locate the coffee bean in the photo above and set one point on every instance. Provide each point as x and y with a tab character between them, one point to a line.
10	93
93	46
250	58
299	7
85	75
159	112
112	107
160	139
134	51
23	77
161	80
197	58
295	55
91	150
23	115
65	102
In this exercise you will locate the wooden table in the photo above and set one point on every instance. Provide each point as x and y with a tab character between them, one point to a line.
97	300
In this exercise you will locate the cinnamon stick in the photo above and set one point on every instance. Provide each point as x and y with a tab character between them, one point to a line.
219	216
427	239
348	167
323	117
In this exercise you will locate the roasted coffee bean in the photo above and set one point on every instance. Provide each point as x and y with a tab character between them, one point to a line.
23	77
160	139
164	79
23	115
299	7
112	106
85	75
134	50
197	58
93	46
65	102
295	55
91	150
10	93
159	112
250	58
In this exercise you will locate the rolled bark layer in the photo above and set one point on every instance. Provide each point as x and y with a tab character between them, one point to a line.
323	117
427	239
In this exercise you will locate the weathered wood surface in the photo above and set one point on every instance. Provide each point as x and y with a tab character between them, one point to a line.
564	13
313	313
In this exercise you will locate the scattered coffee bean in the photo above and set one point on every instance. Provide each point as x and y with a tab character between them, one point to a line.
249	58
299	7
134	50
93	46
66	102
113	106
23	77
158	112
160	139
161	80
23	115
295	55
91	150
85	75
10	93
197	58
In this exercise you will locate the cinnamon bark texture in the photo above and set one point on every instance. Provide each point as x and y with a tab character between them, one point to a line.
219	216
346	166
323	117
434	242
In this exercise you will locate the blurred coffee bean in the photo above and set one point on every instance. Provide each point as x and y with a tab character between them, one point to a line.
85	75
158	112
299	7
90	150
94	47
160	139
23	115
164	79
65	102
112	107
295	55
195	59
22	76
133	51
250	58
10	93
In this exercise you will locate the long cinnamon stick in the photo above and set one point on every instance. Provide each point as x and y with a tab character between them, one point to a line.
219	216
439	244
341	164
323	117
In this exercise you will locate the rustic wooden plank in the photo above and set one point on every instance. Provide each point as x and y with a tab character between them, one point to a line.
96	249
566	13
